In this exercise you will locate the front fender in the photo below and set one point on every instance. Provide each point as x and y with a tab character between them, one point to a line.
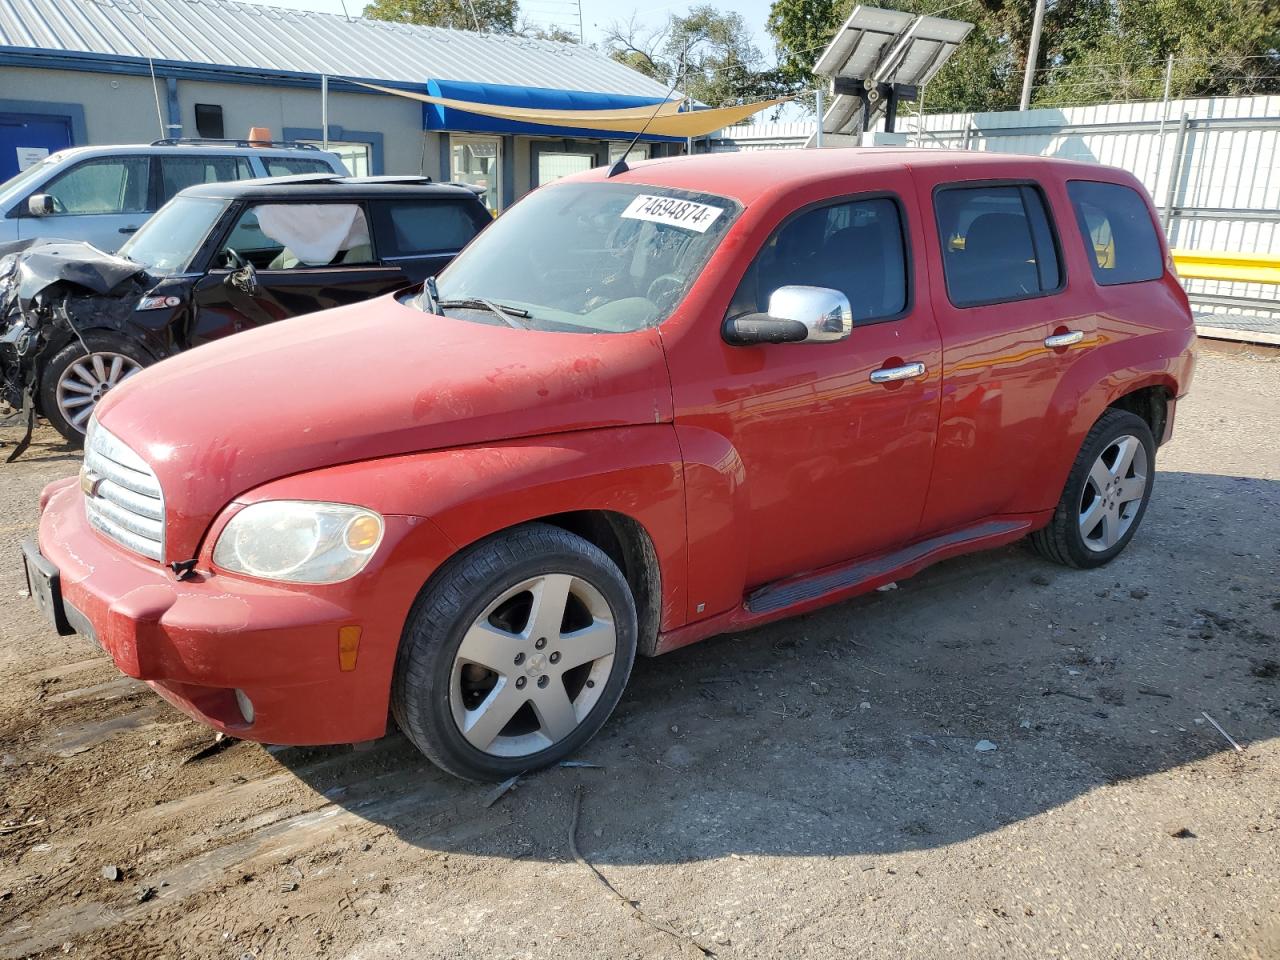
468	493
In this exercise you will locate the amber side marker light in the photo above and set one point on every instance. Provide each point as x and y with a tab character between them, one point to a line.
363	533
348	647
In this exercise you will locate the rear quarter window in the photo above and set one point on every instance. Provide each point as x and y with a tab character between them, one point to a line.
292	166
1118	233
409	228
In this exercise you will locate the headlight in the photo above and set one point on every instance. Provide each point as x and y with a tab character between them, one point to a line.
157	303
299	541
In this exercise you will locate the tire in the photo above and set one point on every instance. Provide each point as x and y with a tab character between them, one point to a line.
470	654
1075	537
71	375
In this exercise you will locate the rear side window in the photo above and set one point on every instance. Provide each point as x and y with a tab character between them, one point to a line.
292	166
1119	237
855	247
178	173
997	244
409	228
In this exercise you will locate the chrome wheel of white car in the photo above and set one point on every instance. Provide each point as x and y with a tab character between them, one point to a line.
1113	494
532	665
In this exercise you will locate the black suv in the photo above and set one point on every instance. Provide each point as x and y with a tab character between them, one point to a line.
217	259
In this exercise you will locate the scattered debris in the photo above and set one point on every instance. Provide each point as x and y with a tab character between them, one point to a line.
288	887
864	705
1040	580
146	893
580	765
674	728
1051	691
820	689
1265	669
1139	593
14	828
220	743
636	912
886	587
111	872
985	746
500	791
1148	692
1182	833
1217	726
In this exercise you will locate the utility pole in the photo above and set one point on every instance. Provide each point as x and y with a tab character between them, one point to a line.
1033	55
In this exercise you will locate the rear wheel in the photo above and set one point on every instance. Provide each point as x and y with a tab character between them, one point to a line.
73	381
516	654
1106	494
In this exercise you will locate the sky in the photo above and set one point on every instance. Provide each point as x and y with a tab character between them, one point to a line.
596	14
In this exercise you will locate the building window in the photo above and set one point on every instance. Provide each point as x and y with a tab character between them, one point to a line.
639	152
355	155
553	166
478	162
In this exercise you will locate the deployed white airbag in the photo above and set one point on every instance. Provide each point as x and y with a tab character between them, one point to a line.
314	233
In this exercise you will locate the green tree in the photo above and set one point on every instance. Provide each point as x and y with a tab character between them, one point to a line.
488	16
708	53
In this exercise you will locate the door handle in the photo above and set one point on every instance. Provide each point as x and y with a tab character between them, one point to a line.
908	371
1070	338
128	229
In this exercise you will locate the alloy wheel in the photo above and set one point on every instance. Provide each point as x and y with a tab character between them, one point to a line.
87	380
532	666
1113	493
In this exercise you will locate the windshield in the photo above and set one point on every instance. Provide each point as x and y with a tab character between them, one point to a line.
20	180
589	257
168	242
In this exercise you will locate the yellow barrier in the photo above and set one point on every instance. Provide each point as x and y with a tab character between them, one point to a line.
1240	267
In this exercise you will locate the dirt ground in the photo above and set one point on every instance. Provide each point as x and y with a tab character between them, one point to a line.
810	789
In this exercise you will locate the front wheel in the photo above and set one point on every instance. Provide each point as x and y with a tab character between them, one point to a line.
73	381
515	654
1106	494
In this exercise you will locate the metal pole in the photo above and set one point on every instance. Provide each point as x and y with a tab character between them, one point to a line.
582	38
324	110
817	103
1033	54
1175	175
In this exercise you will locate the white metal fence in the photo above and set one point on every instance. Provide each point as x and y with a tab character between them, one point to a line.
1211	165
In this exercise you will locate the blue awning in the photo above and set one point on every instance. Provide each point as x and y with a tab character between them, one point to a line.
436	117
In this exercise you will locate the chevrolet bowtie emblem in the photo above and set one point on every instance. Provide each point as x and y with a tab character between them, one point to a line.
90	482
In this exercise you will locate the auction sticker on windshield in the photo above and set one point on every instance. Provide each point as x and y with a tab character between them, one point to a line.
672	211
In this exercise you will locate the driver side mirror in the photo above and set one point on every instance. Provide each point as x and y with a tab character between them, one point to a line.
40	204
796	315
245	279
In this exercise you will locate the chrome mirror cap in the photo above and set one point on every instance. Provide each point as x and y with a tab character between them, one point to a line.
825	313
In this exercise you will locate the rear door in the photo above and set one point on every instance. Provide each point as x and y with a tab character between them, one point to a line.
1000	299
421	236
102	200
281	260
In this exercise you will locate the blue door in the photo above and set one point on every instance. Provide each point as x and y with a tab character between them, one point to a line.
27	137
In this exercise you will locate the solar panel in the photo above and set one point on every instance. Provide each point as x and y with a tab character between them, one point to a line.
878	56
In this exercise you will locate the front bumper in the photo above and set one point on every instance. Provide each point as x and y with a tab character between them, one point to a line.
198	641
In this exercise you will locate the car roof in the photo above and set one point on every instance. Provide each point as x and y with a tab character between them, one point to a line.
323	186
232	148
749	174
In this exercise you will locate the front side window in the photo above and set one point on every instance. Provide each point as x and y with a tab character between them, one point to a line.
168	242
178	173
1119	236
110	185
299	236
855	247
594	257
997	244
413	228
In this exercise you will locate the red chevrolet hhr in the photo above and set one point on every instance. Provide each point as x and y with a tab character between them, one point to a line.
695	396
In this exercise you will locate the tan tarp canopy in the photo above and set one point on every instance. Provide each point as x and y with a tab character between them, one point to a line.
668	121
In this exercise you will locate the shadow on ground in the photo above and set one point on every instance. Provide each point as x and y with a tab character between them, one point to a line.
856	729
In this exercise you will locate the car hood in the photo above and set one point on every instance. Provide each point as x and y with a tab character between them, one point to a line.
376	379
28	267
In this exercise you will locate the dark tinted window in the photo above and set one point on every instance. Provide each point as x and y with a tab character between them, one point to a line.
855	247
1119	237
178	173
996	244
414	227
292	166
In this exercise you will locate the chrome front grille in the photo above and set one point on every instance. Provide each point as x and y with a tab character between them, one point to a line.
122	497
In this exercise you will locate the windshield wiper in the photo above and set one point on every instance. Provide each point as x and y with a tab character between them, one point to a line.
505	311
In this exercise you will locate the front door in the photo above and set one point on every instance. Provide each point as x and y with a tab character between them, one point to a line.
27	138
997	302
103	201
281	260
835	465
